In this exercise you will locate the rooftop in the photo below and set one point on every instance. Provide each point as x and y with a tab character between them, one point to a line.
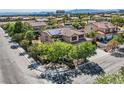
69	32
64	31
104	25
34	23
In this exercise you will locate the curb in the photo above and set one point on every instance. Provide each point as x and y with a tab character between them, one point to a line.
31	60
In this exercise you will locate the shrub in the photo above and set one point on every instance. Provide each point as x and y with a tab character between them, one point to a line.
24	44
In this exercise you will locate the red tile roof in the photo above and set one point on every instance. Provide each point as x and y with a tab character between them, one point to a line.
103	25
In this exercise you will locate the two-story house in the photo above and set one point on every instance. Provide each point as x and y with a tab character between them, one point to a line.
103	29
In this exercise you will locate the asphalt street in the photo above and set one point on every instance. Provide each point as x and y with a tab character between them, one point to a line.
13	67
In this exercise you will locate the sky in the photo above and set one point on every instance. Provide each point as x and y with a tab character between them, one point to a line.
61	4
25	10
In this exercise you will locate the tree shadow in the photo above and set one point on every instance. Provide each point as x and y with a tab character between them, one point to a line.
121	50
57	77
117	54
33	66
91	68
66	76
22	53
10	41
6	36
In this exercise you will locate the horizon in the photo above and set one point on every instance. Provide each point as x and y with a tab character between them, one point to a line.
46	10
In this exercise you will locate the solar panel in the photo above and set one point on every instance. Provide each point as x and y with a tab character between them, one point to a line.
54	32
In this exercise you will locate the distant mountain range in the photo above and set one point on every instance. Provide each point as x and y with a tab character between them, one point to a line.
46	12
93	11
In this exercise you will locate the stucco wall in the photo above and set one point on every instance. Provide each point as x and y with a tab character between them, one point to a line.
45	37
90	27
65	38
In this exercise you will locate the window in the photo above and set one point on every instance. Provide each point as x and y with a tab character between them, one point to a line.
81	36
74	38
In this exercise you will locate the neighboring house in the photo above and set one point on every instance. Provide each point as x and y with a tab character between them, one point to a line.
44	37
2	19
48	35
107	15
36	25
99	18
103	29
59	20
65	34
41	20
14	18
24	18
74	18
72	36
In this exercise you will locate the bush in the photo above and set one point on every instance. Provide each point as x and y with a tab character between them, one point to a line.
118	38
117	78
18	37
24	44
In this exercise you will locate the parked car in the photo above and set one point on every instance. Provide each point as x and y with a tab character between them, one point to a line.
14	46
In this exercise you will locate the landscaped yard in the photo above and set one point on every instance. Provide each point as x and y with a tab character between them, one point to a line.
62	61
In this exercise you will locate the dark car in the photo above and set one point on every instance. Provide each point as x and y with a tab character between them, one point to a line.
14	46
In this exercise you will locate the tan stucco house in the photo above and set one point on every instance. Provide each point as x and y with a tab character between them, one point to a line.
64	34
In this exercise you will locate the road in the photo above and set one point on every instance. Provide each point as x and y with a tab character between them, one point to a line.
13	67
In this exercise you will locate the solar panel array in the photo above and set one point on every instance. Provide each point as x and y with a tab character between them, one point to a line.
54	32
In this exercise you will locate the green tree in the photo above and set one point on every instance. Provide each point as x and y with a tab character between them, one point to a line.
29	35
18	37
24	43
18	27
91	34
76	25
82	51
26	27
43	28
52	21
9	27
6	26
37	50
57	51
117	20
118	38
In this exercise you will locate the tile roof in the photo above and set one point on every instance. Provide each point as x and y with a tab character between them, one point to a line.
103	25
69	32
34	23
